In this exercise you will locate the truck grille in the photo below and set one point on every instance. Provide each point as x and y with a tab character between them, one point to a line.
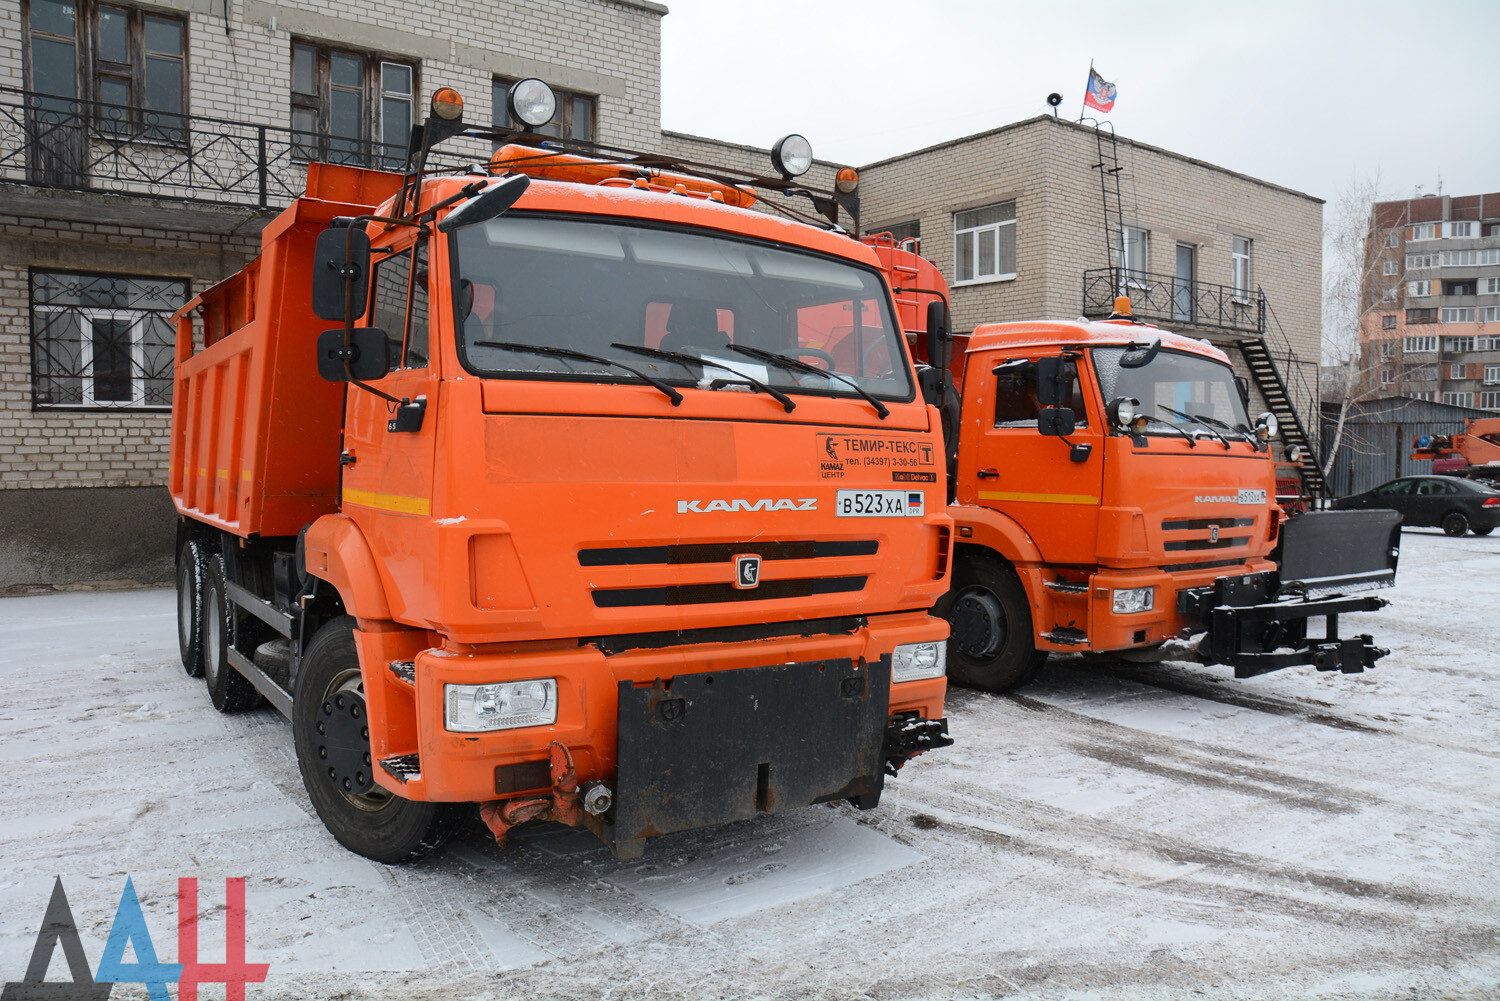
1203	539
701	554
723	552
705	594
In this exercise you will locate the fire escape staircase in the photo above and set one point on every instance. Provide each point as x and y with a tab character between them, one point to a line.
1273	386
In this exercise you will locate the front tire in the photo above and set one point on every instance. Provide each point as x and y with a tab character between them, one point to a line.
192	581
228	689
990	647
1455	524
333	754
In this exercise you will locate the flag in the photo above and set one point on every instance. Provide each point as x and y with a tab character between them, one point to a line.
1101	93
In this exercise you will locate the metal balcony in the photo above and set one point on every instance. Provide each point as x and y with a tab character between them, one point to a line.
1171	301
57	142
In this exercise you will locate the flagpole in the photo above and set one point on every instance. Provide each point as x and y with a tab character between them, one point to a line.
1081	104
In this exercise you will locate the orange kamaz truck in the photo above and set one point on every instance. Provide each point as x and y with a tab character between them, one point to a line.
1112	495
602	499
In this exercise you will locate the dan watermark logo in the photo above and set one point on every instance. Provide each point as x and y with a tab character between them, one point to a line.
128	932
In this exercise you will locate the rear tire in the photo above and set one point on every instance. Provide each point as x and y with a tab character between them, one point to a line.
229	690
1483	531
1455	524
328	700
192	580
991	646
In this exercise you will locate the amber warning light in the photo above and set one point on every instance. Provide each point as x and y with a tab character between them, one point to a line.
447	103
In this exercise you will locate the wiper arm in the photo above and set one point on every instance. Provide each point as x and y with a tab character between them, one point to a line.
1192	442
1238	429
552	352
682	357
1197	420
798	365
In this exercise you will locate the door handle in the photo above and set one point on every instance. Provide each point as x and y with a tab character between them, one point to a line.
986	474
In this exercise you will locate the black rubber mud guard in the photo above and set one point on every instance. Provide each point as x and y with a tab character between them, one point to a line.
1328	551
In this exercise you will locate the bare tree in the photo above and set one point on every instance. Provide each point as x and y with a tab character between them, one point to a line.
1352	241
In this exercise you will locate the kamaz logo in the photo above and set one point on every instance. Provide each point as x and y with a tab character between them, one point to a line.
739	504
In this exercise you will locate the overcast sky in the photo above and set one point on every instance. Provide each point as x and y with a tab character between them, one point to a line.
1309	95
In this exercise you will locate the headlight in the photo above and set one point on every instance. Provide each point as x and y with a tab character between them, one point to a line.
1266	426
532	102
504	706
1122	410
792	155
1134	599
918	661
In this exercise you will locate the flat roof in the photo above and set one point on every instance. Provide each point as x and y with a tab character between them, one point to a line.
1084	128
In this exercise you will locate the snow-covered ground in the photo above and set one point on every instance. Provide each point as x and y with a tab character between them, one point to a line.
1111	831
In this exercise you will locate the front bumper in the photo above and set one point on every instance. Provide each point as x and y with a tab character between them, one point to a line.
477	767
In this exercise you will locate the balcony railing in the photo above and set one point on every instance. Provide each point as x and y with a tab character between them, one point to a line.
1169	300
58	142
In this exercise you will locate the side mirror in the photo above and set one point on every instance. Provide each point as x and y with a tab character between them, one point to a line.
1047	372
1140	352
368	354
486	205
1057	422
938	334
342	255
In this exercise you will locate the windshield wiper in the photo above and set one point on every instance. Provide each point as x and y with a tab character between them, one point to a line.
683	358
1192	442
798	365
1238	429
552	352
1197	420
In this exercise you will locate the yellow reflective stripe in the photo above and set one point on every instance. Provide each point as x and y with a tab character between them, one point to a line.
1010	495
223	474
387	502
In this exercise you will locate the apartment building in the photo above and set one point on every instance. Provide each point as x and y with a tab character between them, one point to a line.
143	146
1431	327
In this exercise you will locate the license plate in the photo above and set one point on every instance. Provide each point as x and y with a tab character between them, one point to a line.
1252	496
879	503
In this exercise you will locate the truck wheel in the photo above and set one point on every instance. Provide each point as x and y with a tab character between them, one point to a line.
1486	530
333	754
192	579
991	646
229	690
1455	524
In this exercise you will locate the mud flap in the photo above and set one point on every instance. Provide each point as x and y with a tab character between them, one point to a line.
711	748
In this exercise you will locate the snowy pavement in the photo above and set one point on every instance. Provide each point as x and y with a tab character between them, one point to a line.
1110	831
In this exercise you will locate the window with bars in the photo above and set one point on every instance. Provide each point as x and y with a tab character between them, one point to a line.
132	62
984	243
575	118
102	341
351	107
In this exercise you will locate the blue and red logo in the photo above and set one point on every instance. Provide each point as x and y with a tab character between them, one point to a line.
129	931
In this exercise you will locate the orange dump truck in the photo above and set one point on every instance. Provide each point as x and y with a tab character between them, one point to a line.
1113	496
609	502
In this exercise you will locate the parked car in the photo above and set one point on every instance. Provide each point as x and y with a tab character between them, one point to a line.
1458	506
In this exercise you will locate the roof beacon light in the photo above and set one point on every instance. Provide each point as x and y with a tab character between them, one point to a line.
846	180
792	155
448	104
1122	305
532	102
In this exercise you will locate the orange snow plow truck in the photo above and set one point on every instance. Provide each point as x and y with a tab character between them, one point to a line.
1112	495
548	521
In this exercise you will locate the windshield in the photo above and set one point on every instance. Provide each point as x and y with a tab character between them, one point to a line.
603	288
1191	385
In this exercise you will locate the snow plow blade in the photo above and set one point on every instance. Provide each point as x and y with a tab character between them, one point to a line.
1258	623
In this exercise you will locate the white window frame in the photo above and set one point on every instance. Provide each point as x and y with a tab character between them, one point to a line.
1387	377
1391	293
86	316
1133	266
1490	256
1424	394
1239	266
1492	375
1487	314
1392	268
1489	401
991	231
1423	231
1459	230
1457	314
1418	262
1488	286
1457	370
1420	288
1459	344
1482	343
1459	399
1425	344
1393	238
1387	349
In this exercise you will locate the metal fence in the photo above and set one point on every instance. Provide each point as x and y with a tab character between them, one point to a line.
1168	299
1376	444
59	142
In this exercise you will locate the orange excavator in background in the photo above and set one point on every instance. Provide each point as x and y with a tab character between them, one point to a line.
1112	495
606	501
1474	454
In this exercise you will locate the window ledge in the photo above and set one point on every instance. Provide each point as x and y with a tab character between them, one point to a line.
987	280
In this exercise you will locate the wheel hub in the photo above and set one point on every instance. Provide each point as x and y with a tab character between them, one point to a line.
343	742
978	624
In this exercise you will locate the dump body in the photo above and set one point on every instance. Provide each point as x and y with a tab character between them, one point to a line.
492	517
